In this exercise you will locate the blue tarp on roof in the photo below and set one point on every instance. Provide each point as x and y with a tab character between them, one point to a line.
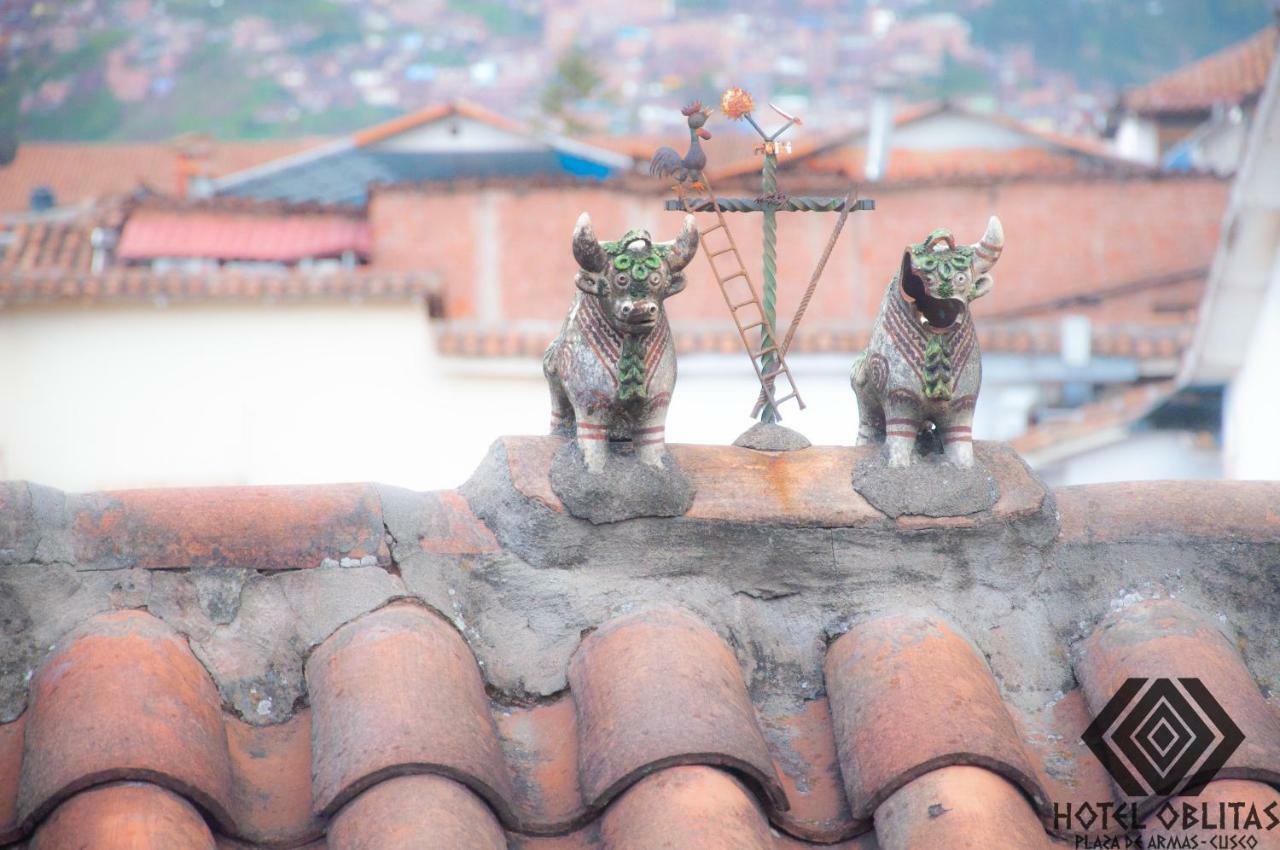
344	176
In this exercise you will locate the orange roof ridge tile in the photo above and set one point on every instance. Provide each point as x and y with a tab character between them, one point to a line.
438	722
156	717
959	806
674	715
125	816
660	688
406	811
910	695
263	528
1164	638
706	808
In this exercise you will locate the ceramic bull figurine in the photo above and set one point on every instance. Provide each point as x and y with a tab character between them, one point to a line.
922	365
612	368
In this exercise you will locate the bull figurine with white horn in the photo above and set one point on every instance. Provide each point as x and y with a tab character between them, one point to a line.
612	368
922	368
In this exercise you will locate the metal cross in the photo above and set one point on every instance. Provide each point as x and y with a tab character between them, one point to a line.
770	203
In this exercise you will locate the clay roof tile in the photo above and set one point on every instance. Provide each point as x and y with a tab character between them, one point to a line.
910	695
125	816
661	688
155	715
428	711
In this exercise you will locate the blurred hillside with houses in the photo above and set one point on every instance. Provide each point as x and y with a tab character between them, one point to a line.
143	70
197	309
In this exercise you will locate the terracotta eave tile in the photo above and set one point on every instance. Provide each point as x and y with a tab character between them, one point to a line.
660	688
124	698
1069	773
958	807
1163	638
422	812
541	748
271	769
399	691
260	528
1235	511
124	816
686	808
909	695
802	743
452	528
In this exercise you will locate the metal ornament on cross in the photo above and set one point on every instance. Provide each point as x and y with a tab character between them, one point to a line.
769	357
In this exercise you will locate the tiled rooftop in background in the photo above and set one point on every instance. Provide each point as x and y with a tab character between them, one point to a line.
663	736
1227	77
81	172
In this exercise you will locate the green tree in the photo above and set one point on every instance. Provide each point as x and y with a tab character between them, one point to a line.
576	79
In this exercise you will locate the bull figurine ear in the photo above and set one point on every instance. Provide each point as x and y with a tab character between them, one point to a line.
683	248
586	250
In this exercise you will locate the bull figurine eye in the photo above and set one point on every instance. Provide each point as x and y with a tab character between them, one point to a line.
622	281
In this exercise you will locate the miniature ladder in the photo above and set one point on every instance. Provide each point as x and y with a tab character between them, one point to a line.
754	311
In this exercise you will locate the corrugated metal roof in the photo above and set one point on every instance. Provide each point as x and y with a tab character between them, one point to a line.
344	177
341	171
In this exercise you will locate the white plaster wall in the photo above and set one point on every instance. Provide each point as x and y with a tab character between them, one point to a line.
197	395
457	134
252	394
1251	410
949	130
1138	138
1143	456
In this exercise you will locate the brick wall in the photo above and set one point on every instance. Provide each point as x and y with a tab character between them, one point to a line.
1064	238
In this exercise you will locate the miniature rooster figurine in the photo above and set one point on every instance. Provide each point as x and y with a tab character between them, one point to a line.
667	163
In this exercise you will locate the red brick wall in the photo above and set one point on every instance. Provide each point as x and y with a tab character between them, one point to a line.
1063	237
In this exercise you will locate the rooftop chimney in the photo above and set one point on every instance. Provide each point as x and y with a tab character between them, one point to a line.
879	128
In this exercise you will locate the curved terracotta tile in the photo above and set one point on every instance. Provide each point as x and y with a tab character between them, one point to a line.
124	698
452	528
124	816
660	688
1236	511
271	767
686	808
909	695
1163	638
398	691
421	812
804	755
260	528
541	748
958	807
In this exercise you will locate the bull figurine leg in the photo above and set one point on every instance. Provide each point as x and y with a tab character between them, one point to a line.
902	411
593	440
957	433
650	438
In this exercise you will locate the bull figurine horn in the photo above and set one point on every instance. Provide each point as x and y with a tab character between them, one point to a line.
683	247
987	251
586	250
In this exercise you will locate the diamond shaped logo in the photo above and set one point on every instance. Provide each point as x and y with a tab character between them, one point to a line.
1162	737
